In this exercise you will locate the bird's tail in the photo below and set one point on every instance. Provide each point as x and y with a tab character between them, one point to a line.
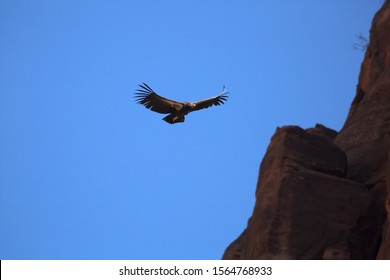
172	118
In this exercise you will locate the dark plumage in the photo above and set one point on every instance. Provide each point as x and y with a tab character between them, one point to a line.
176	110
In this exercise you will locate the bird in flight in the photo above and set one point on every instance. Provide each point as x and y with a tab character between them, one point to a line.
176	110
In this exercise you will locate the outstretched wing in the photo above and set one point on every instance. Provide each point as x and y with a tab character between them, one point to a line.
151	100
216	101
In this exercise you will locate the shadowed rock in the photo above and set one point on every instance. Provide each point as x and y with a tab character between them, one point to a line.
304	208
323	194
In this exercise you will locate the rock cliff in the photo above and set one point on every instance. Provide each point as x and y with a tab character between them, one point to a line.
322	194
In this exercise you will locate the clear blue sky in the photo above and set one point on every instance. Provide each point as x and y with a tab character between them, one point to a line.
86	173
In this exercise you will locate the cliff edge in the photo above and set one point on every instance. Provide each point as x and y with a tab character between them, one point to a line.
322	194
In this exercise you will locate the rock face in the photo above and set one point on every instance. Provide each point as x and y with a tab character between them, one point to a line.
323	194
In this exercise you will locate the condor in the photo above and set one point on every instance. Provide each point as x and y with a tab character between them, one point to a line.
176	110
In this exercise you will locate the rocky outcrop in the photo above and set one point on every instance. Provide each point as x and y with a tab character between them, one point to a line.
305	207
323	194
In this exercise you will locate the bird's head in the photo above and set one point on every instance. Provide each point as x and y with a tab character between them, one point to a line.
190	105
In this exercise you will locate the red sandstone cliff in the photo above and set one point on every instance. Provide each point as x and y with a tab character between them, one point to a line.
323	194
